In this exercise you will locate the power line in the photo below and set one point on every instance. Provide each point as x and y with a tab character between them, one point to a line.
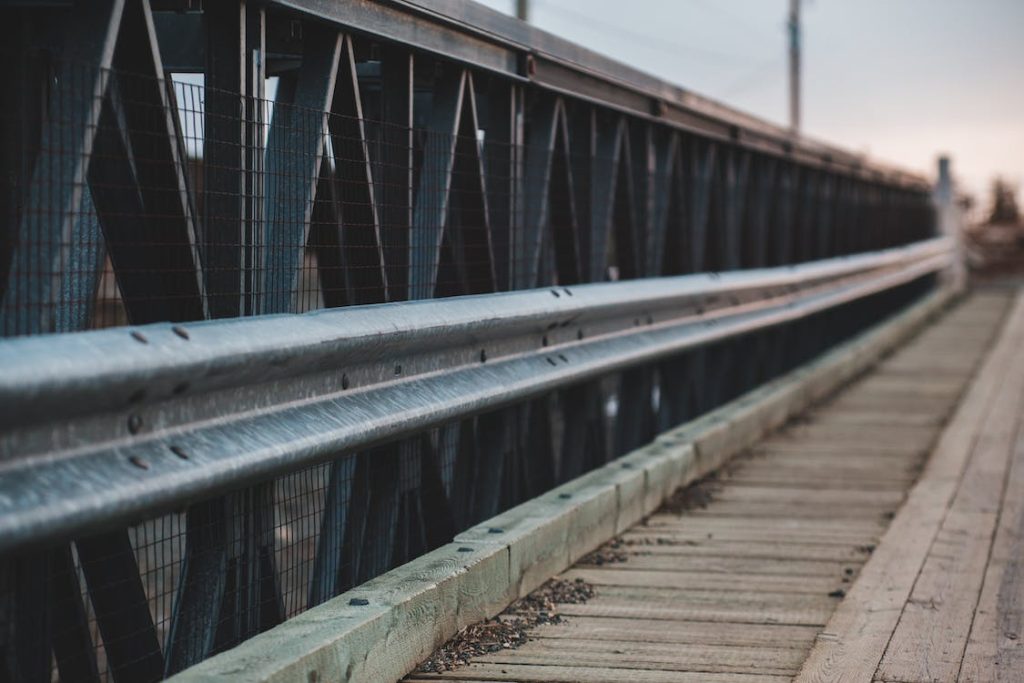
750	78
739	20
652	42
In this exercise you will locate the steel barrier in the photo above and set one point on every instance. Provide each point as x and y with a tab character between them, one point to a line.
530	260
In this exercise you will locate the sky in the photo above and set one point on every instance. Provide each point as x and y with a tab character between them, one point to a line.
901	80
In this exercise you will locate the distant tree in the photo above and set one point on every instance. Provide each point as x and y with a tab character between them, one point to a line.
1004	203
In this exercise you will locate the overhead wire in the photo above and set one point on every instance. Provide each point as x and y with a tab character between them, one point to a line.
749	77
652	42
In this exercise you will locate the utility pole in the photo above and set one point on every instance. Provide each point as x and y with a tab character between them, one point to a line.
523	10
794	65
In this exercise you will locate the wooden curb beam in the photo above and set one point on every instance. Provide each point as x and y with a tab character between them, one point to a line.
381	630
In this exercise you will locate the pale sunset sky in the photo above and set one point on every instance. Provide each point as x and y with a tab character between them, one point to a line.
902	80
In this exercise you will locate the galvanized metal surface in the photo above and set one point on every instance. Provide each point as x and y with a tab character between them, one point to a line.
267	395
414	149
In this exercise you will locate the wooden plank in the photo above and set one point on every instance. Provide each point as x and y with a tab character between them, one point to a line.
739	534
709	523
866	417
738	596
920	384
995	647
902	435
842	474
650	656
939	362
907	370
608	575
822	480
929	640
717	611
856	636
796	496
915	386
741	565
748	549
798	465
815	462
790	510
572	674
855	401
729	655
830	459
923	362
782	444
695	633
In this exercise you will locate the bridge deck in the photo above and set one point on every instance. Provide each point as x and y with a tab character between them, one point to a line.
826	553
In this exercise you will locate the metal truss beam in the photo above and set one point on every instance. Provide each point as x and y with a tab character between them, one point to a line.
477	36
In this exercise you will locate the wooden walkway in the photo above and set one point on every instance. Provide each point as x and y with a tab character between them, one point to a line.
810	560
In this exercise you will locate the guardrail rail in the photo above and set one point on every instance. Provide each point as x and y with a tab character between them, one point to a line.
293	291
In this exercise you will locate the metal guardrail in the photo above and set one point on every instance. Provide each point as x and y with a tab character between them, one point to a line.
272	394
530	258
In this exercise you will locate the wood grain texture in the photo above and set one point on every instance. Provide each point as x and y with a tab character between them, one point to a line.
690	633
739	589
995	647
525	673
856	637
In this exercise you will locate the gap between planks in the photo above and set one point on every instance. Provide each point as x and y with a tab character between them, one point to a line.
860	630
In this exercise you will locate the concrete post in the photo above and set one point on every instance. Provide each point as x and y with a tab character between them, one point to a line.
950	222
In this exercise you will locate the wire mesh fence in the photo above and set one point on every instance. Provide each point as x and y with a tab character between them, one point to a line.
130	198
136	199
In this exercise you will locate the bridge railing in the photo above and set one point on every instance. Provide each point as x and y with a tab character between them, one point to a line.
530	260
